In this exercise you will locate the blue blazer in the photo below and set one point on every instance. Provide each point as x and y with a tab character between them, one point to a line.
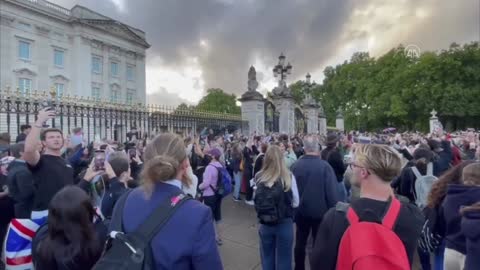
187	240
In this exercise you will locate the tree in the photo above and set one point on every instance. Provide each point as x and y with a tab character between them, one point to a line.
398	90
218	101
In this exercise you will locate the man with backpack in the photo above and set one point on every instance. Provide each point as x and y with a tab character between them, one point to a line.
377	231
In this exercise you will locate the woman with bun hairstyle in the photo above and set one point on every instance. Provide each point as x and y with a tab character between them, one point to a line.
187	240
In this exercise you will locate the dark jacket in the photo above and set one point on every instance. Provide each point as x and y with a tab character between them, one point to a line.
444	159
258	163
21	188
457	197
135	169
187	241
335	159
21	137
470	228
6	208
248	156
408	227
317	186
114	190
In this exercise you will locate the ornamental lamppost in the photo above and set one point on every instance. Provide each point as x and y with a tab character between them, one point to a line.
281	70
309	85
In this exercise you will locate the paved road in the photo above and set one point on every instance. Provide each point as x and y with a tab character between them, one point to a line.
240	249
240	236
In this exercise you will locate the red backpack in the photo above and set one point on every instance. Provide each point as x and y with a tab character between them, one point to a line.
369	245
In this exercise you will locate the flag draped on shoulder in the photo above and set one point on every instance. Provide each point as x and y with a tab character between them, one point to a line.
18	243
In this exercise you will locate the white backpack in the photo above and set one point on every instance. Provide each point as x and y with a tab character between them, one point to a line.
423	185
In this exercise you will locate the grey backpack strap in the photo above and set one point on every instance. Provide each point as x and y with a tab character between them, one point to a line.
430	169
342	207
416	172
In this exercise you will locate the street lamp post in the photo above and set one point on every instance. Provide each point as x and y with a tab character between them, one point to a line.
281	70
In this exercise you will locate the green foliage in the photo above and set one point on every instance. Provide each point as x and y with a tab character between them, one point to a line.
218	101
400	91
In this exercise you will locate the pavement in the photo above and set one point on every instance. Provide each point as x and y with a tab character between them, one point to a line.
239	228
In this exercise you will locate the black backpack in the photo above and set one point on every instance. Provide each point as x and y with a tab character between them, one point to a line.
269	207
431	236
132	251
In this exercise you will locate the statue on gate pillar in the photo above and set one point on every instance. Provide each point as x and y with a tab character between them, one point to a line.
253	105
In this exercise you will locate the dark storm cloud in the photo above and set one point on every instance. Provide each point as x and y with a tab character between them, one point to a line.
236	31
310	32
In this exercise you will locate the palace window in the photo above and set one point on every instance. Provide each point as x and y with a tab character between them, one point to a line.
25	85
96	64
24	50
58	58
114	69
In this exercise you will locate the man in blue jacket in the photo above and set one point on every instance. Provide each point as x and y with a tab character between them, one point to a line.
317	188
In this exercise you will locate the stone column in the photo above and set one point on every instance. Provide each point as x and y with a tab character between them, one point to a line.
253	111
434	122
312	119
340	123
286	107
322	124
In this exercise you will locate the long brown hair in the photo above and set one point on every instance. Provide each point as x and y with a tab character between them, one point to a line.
439	188
163	157
71	239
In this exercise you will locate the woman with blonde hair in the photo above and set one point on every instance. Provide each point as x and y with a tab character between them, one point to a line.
187	239
275	197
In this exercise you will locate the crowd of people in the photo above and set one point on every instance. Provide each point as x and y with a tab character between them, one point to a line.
406	194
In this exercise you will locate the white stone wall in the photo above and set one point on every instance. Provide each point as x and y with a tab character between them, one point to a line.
322	122
312	120
253	111
47	27
286	107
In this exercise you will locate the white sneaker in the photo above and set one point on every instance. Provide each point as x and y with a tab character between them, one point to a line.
250	203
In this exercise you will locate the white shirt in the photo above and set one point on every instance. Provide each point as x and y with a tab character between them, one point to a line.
192	190
296	197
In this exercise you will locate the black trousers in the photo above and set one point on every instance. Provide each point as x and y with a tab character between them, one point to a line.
247	176
305	227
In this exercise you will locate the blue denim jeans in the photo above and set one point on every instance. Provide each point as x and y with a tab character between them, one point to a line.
237	177
276	243
437	258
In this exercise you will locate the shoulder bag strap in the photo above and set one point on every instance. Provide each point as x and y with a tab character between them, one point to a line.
430	169
392	213
219	177
416	172
159	217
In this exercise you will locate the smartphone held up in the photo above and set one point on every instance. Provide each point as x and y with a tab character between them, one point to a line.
99	163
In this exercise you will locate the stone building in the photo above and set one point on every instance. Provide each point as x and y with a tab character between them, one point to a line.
75	51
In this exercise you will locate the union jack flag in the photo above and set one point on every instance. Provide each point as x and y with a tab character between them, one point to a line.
18	243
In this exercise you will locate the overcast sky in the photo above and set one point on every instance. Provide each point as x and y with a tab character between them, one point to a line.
198	44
